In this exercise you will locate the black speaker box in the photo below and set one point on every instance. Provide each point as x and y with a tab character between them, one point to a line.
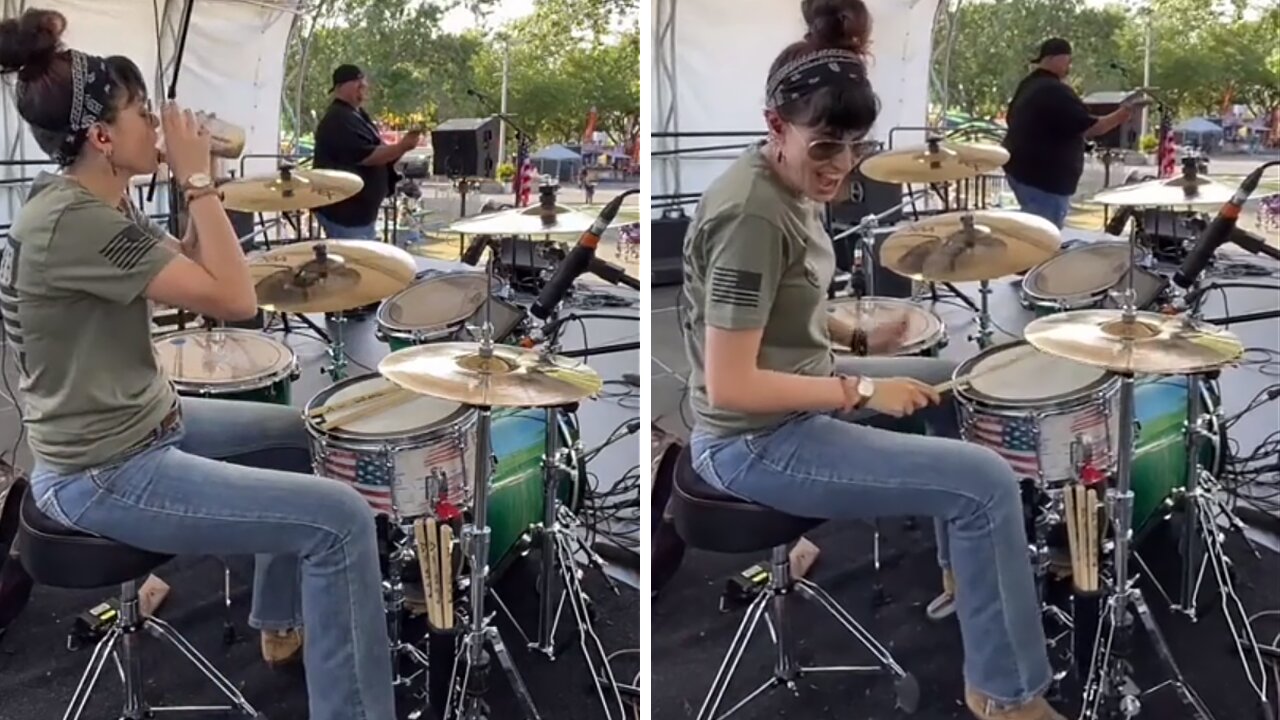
466	148
666	248
866	197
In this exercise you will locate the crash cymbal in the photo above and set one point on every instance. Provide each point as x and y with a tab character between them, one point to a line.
1172	192
528	221
329	275
290	189
971	245
1150	344
934	162
511	377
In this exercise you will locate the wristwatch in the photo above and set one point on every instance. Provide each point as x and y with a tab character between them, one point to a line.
198	185
862	392
866	388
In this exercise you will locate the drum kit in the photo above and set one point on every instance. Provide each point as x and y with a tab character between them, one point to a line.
466	450
1108	410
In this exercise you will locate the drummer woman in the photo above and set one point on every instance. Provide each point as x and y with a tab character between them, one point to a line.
117	452
773	408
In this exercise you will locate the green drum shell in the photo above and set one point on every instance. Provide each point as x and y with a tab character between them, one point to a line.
1160	445
279	392
516	492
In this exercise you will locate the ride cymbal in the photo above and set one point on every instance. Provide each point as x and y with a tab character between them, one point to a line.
969	246
290	189
510	377
1172	192
528	221
329	275
1149	344
936	161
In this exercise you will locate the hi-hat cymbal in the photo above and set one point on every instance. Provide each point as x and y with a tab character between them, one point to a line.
329	275
971	245
510	377
1150	344
528	221
934	162
1176	192
290	189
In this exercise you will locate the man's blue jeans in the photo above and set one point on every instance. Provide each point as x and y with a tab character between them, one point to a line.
317	561
1035	201
822	466
335	231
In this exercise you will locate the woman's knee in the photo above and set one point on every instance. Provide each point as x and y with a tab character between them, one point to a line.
341	510
987	479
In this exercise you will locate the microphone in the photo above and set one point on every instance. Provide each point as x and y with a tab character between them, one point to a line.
577	261
1219	231
612	274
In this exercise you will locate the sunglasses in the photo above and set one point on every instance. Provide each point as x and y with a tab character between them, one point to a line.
828	149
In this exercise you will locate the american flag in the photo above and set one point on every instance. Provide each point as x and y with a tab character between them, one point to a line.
1092	425
368	474
1014	439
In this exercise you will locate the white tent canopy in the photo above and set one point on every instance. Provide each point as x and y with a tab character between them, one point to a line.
719	58
233	65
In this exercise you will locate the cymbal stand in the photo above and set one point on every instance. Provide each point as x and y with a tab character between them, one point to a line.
401	554
337	367
1110	691
466	701
561	578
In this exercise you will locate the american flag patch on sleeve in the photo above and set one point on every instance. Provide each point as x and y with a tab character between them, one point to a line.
740	288
127	248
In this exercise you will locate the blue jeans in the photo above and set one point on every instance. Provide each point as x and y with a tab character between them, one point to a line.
822	466
335	231
316	553
1035	201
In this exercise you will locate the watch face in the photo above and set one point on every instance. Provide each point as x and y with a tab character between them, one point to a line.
866	388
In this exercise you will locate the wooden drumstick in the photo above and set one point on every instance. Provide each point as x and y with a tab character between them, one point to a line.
1073	537
967	379
1091	522
424	536
373	407
352	402
446	577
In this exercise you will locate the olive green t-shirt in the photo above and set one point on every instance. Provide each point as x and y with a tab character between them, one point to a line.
71	281
756	256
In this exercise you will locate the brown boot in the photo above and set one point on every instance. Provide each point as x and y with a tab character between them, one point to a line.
944	605
985	708
281	647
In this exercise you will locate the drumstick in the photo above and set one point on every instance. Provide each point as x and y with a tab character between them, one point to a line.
426	567
966	379
357	400
1073	537
446	577
372	407
1091	522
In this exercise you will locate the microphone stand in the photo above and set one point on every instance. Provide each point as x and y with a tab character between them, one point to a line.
175	193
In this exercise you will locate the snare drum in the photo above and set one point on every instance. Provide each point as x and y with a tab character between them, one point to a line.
1033	411
925	335
437	308
404	459
229	364
1083	277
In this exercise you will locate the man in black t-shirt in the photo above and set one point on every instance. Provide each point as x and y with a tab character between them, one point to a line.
347	139
1048	124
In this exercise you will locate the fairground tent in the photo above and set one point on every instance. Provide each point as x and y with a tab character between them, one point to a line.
233	65
711	58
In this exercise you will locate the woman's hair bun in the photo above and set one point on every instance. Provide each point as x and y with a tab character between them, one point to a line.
842	24
30	42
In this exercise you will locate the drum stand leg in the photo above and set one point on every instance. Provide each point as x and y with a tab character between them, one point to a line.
560	543
1109	689
466	693
400	556
337	367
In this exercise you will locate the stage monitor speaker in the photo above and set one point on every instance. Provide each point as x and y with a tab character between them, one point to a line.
666	248
466	148
866	197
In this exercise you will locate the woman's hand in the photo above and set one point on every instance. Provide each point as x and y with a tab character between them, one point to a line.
900	397
186	143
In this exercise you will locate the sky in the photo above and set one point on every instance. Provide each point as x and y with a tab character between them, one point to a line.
504	11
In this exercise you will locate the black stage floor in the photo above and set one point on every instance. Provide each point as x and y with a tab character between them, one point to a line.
38	673
690	634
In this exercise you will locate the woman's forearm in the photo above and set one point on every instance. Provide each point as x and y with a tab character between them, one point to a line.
769	391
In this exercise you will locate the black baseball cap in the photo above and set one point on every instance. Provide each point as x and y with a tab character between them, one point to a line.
1051	47
345	74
